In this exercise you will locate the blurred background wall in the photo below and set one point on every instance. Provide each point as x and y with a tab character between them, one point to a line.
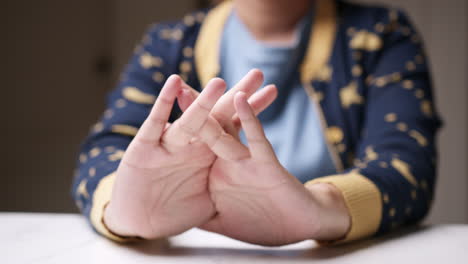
60	58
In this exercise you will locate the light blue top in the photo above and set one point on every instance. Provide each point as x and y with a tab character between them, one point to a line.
291	123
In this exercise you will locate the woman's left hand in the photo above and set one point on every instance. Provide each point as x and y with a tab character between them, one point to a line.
257	200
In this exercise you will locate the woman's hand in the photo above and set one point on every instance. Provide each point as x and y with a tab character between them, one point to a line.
257	200
161	182
161	187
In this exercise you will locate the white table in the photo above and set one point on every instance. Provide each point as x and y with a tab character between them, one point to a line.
67	238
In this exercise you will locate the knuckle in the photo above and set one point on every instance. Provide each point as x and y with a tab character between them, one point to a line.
256	140
203	107
220	117
186	129
143	141
215	140
157	121
249	119
165	101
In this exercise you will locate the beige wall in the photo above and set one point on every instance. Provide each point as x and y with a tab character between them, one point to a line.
52	88
50	94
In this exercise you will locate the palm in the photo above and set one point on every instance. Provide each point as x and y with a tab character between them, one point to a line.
177	195
259	203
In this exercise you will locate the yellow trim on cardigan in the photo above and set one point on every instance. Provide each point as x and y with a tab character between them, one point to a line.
324	126
101	198
363	200
321	40
320	47
209	41
319	50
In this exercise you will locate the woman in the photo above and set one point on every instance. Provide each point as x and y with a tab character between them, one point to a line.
346	151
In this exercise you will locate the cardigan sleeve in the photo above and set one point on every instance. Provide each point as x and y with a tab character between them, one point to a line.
392	181
127	107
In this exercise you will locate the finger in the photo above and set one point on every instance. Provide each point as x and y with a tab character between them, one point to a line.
154	125
259	101
185	99
194	92
187	96
213	225
221	143
260	148
224	109
193	119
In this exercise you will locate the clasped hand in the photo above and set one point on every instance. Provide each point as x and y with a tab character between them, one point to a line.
195	172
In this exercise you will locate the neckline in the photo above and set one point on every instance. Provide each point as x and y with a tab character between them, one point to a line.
319	48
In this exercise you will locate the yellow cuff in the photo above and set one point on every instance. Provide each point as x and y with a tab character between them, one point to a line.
101	198
363	200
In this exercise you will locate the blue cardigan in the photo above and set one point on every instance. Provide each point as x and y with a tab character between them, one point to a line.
364	66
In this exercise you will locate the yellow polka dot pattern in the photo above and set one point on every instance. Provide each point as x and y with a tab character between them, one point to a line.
135	95
402	127
386	199
408	84
404	169
120	103
334	134
426	108
371	154
148	61
392	212
185	66
364	40
357	70
188	52
422	141
92	172
390	117
383	164
81	190
158	77
83	158
108	113
118	155
94	152
125	130
349	95
98	127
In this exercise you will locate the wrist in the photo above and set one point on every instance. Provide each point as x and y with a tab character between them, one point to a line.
111	222
334	218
